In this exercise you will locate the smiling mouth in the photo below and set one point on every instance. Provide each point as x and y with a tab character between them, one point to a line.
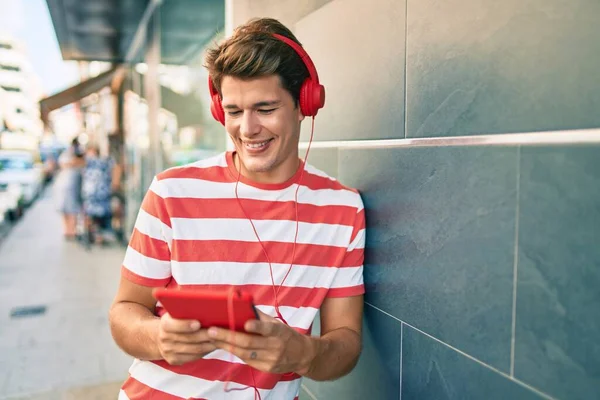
257	145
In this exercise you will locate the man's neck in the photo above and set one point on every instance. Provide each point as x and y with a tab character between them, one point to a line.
282	173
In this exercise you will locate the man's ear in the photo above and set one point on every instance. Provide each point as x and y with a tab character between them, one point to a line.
300	115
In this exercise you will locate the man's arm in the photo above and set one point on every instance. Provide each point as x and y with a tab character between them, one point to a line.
133	324
116	176
336	352
141	334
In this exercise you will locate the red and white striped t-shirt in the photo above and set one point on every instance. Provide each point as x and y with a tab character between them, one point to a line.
191	232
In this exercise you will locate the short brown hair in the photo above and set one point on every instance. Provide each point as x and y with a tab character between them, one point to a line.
253	52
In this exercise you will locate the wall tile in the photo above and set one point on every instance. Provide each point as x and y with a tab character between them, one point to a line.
431	370
440	240
358	49
324	159
475	66
288	12
558	298
377	375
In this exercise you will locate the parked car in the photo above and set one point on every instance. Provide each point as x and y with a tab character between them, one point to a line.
18	167
11	202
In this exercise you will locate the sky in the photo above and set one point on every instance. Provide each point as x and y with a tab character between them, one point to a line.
29	22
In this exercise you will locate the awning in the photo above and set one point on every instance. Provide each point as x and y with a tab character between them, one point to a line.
77	92
104	30
185	107
100	30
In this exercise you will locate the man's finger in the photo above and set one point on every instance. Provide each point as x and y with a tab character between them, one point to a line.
264	328
173	325
186	349
237	339
197	337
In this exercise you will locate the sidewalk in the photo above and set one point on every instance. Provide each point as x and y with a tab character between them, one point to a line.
66	352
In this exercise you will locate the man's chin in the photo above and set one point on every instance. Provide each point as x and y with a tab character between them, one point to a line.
258	168
254	166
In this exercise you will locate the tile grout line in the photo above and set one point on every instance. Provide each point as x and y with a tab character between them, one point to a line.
401	351
308	392
494	369
515	267
405	67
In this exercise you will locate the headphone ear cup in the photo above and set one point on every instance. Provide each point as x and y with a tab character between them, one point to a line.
216	109
304	100
312	98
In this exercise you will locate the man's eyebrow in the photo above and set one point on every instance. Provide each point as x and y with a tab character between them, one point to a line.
266	103
255	105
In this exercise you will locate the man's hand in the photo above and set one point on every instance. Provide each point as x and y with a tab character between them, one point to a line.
181	340
269	346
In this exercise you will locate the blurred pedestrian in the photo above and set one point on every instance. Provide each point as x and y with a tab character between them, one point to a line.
68	187
98	184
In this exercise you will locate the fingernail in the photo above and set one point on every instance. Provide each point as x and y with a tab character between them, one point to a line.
195	325
212	332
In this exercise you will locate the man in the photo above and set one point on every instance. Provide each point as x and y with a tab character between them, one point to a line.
259	220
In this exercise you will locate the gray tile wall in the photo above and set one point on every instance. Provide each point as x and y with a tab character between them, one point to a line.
358	48
558	296
482	262
441	240
483	66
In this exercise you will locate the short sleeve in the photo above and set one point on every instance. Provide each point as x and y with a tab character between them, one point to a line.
148	257
348	279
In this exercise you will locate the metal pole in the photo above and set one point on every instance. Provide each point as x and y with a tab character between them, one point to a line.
152	93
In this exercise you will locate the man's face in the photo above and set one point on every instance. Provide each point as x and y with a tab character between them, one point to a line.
264	124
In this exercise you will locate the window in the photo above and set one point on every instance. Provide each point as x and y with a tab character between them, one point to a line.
10	68
5	46
11	89
19	111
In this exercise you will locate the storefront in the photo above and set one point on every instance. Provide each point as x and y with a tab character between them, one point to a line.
150	108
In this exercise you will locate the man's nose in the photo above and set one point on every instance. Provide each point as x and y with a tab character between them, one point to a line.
250	125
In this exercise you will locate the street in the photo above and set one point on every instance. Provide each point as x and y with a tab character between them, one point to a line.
55	341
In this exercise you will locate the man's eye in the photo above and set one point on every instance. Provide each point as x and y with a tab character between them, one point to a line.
266	111
233	113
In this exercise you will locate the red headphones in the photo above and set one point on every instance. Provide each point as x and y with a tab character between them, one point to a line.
312	93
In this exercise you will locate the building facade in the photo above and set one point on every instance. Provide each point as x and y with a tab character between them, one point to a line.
471	129
20	91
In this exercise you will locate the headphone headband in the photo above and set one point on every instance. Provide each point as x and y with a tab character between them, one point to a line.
303	55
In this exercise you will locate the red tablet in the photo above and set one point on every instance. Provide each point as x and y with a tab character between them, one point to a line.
210	307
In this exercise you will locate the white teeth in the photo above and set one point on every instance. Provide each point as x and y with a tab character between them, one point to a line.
257	145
